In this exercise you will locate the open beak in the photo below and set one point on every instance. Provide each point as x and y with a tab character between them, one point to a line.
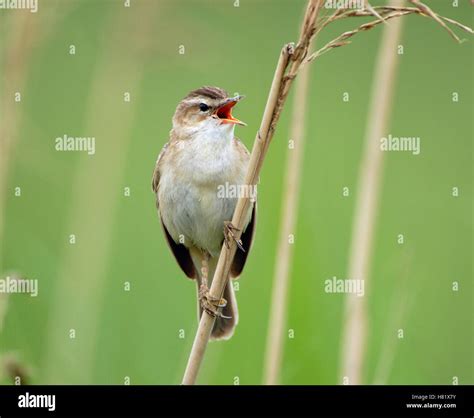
224	111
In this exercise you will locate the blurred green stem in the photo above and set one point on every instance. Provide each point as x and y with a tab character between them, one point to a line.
16	53
283	261
355	321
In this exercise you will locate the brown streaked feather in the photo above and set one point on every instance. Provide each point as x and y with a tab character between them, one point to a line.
208	91
247	239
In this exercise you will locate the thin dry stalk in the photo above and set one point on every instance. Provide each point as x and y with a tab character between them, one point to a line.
355	315
275	338
287	68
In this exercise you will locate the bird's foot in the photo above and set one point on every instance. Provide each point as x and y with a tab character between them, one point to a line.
229	235
210	304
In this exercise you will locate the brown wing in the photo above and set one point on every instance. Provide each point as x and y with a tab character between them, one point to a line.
247	239
180	252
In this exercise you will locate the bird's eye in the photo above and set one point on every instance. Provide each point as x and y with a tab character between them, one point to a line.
204	107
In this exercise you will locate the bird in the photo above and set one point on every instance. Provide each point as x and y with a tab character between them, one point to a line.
201	156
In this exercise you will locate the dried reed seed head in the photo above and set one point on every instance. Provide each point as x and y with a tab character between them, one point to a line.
386	13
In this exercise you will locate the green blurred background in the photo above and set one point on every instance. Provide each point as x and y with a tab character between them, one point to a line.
136	333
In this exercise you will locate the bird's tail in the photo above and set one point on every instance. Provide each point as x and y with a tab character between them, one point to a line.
223	327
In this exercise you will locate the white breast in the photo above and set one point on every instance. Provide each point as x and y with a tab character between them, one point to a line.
190	205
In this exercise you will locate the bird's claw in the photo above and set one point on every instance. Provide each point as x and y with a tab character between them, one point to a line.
229	235
210	304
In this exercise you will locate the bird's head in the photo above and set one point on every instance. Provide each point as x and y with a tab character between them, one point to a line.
206	109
